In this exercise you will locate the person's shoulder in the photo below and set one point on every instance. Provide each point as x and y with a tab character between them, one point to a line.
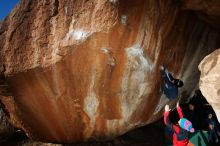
192	100
213	120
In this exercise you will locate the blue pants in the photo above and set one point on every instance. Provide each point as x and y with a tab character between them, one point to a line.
213	137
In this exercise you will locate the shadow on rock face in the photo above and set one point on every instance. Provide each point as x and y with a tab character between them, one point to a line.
150	135
12	139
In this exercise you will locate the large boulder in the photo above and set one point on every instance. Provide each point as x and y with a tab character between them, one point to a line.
85	69
210	80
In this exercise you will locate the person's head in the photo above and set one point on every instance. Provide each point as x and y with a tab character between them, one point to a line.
178	82
191	107
210	116
197	93
186	124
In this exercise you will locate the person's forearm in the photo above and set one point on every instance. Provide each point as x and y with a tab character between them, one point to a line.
171	78
180	112
166	117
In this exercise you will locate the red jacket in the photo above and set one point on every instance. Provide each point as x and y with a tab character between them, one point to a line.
180	135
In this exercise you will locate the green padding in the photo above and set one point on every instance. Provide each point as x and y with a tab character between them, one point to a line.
199	138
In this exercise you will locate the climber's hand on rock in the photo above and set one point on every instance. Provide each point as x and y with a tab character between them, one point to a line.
167	108
161	68
76	103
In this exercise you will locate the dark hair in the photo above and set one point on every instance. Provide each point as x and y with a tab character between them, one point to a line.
178	82
198	92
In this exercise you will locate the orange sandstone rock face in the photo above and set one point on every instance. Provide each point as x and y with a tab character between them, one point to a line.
210	80
85	69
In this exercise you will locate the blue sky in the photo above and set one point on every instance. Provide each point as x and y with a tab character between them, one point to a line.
6	6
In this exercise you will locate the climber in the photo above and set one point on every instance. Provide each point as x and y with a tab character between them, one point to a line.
213	133
170	84
180	130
